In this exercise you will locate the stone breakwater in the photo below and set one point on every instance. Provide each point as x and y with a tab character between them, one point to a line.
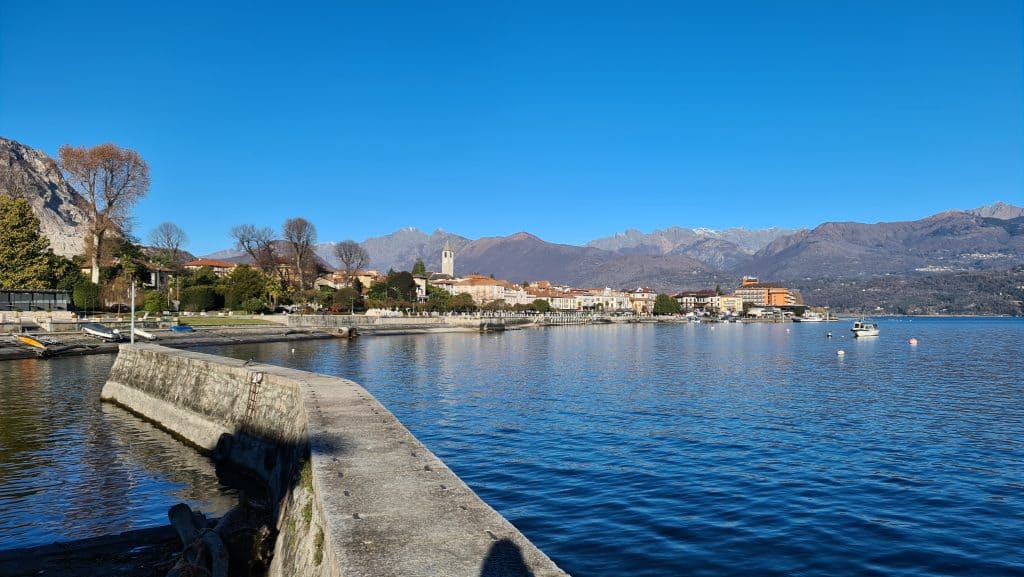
354	492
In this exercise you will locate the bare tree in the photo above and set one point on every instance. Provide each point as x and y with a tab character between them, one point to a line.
352	256
169	238
258	243
112	179
300	234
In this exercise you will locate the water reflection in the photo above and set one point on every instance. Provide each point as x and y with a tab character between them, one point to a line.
72	467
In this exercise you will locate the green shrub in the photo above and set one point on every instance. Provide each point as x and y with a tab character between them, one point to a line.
86	296
199	298
541	305
154	302
254	306
242	285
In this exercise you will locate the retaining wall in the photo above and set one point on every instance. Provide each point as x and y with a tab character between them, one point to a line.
357	494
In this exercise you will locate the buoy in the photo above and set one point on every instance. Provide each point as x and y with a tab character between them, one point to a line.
787	330
913	342
828	335
841	352
293	351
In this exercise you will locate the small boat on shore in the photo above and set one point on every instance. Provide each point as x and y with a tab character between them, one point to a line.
102	332
182	329
864	329
46	347
39	346
144	334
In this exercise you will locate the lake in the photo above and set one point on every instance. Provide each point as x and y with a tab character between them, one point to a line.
710	449
722	449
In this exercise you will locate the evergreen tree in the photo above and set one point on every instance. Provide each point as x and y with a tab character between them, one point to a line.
24	251
419	269
244	283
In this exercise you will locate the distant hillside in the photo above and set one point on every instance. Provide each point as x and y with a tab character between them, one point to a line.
963	293
400	249
229	254
523	256
949	241
31	174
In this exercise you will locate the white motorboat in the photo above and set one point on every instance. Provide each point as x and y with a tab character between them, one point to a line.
864	329
144	334
102	332
809	318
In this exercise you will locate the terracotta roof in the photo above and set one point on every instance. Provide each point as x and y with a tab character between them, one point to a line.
483	281
213	263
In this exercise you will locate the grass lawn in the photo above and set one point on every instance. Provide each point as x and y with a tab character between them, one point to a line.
221	321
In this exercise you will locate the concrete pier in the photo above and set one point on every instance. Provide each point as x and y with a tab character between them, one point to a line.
356	493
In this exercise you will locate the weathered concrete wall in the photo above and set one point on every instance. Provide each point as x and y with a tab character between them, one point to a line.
358	493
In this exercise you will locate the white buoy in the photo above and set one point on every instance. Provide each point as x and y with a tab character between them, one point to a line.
841	352
913	341
787	330
293	351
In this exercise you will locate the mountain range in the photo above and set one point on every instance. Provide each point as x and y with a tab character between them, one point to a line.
987	238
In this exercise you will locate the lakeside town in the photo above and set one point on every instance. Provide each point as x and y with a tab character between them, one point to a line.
205	285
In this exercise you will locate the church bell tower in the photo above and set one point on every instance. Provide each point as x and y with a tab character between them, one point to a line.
448	260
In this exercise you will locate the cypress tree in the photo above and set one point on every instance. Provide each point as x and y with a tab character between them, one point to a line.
24	251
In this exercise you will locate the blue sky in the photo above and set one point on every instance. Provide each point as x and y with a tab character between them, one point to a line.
568	120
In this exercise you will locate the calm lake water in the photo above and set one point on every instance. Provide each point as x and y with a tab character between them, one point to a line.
621	450
72	467
723	449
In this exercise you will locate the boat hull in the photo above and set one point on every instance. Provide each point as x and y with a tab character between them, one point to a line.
27	340
101	332
863	329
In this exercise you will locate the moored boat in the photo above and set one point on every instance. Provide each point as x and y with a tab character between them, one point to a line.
144	334
101	332
182	329
864	329
811	317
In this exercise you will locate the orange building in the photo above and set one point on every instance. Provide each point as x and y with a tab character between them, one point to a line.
763	294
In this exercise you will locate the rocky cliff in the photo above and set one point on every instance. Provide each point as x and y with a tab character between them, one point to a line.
31	174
